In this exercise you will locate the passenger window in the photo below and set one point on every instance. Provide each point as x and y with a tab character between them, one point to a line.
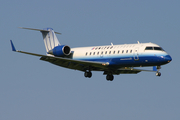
97	53
90	53
109	52
126	51
122	51
118	51
114	52
86	53
106	52
101	52
94	53
131	51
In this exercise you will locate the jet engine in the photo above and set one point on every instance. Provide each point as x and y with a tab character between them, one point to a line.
60	51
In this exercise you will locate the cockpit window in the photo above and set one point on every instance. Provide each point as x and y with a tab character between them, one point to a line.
154	48
149	48
158	48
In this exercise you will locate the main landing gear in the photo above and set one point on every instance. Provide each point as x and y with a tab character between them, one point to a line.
109	77
88	74
158	73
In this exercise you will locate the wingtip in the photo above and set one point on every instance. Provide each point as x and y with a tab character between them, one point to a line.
12	46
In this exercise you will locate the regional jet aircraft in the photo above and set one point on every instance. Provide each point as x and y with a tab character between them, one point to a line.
110	59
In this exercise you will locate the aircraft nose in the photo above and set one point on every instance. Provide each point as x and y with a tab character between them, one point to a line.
168	58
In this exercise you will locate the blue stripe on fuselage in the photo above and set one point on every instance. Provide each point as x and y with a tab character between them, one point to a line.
128	59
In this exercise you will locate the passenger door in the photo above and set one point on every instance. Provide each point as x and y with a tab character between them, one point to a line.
136	55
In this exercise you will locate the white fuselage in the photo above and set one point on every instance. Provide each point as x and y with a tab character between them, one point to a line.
126	54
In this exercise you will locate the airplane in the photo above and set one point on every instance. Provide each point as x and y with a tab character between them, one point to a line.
110	59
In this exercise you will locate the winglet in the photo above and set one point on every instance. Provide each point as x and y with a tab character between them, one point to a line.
12	46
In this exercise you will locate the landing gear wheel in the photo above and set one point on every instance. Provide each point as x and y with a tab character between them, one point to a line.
88	74
158	74
109	77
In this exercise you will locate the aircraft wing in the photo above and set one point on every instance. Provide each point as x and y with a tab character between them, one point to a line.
68	62
80	64
75	64
130	70
84	65
135	69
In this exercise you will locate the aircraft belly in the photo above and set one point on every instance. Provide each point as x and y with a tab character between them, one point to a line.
114	63
142	61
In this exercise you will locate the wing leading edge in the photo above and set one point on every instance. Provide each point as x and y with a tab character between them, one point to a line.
80	64
67	62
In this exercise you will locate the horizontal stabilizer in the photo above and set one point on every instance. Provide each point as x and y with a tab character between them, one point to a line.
38	30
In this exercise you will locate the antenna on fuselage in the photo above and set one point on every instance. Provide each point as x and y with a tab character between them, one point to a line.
138	42
111	44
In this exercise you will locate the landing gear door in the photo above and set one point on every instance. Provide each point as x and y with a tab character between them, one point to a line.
136	54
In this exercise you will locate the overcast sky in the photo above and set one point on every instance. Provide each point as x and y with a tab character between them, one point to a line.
31	89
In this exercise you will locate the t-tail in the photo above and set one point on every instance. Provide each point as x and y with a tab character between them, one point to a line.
50	39
52	44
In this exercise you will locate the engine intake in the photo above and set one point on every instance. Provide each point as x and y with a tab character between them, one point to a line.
60	51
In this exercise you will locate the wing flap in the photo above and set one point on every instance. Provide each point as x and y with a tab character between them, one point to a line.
74	64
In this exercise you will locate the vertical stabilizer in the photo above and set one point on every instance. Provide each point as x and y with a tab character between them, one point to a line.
50	39
49	36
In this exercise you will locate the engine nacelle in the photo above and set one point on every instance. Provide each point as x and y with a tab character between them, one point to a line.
60	51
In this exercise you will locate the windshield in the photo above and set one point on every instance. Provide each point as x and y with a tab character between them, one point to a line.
149	48
154	48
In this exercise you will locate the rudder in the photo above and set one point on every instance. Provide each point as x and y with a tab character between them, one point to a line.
50	39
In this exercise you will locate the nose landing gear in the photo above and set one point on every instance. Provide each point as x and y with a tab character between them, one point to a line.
158	69
158	74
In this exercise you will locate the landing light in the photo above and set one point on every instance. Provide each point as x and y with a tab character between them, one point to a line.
105	64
